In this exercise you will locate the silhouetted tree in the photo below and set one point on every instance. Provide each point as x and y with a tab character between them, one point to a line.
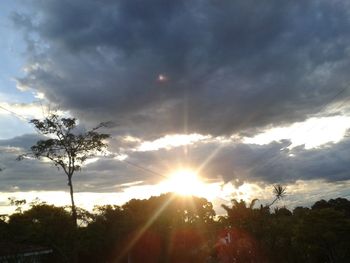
239	212
173	229
322	235
104	236
181	225
339	204
279	192
65	148
17	203
45	225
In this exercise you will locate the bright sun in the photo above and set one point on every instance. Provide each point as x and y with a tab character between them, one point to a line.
185	182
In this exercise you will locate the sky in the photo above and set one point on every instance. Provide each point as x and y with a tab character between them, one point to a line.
247	94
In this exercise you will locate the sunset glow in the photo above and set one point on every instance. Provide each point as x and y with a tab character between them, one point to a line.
186	182
171	125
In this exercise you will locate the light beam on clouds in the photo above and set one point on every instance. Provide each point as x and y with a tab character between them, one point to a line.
171	141
312	133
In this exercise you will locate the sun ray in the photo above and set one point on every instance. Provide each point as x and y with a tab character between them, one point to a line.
144	229
209	158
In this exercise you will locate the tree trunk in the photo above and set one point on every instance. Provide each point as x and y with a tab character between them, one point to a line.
272	202
74	211
74	258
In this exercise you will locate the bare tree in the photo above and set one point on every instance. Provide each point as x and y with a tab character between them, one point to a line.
65	148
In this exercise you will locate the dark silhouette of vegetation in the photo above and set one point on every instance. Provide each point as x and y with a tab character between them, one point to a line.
65	148
169	228
18	203
279	192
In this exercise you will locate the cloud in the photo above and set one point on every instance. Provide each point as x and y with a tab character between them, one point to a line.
22	142
26	175
228	66
24	111
239	162
275	163
105	175
35	175
170	141
212	68
15	117
232	162
312	133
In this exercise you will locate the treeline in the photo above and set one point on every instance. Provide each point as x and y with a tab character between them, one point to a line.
170	228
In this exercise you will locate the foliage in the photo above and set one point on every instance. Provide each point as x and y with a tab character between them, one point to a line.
168	219
279	192
45	225
320	234
18	203
173	229
65	148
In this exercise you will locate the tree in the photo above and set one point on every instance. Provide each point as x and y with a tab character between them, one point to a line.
279	192
47	226
18	203
321	235
239	214
65	148
182	224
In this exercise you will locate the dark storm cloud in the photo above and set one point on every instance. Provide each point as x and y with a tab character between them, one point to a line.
230	65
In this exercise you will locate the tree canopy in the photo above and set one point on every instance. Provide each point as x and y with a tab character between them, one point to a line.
169	228
66	147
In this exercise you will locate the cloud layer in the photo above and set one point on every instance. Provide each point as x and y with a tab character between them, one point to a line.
228	65
224	161
162	69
